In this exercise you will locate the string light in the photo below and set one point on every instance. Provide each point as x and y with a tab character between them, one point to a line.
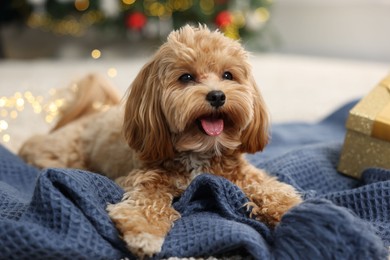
69	25
49	107
12	106
128	2
95	54
6	138
248	17
13	114
231	31
157	9
262	14
239	19
112	72
81	5
3	125
207	6
3	113
179	5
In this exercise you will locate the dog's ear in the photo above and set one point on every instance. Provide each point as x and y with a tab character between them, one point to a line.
144	126
255	137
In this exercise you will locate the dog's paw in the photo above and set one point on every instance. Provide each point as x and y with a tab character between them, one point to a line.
143	244
142	231
272	209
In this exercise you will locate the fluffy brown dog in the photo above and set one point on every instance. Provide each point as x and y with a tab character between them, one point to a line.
194	108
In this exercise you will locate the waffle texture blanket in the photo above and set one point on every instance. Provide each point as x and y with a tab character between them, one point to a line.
60	213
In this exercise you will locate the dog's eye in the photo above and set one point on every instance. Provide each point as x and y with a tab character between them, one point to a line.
227	75
186	78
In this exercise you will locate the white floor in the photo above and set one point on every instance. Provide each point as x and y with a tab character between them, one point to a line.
296	88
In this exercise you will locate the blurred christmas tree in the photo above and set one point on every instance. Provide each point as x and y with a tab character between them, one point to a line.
149	18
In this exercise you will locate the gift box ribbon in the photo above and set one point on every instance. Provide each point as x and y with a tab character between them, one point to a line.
381	126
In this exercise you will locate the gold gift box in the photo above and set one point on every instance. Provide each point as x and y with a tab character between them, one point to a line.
367	141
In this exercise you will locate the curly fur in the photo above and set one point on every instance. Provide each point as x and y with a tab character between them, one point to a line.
161	125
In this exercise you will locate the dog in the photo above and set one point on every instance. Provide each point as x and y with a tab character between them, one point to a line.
193	108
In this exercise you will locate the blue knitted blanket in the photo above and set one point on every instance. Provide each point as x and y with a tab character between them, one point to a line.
60	213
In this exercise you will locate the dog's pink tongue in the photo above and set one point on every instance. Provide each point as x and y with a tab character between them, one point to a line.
212	126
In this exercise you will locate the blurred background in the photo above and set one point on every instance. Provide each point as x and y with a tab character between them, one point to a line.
120	28
356	29
308	56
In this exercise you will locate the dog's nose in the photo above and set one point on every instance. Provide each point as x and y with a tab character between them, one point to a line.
216	98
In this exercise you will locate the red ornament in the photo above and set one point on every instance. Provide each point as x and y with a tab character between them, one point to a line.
223	19
136	21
